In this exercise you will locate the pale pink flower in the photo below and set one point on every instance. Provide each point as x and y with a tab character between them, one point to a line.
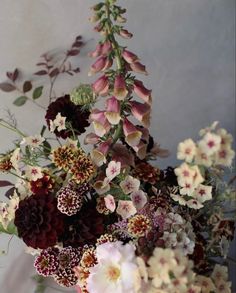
219	273
33	173
178	198
101	64
97	52
126	209
186	150
226	138
142	92
210	143
106	48
205	283
223	287
15	158
132	134
113	169
141	112
125	34
203	193
184	174
113	111
130	184
110	202
120	90
139	199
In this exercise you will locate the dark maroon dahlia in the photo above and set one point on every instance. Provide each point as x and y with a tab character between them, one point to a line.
75	115
38	221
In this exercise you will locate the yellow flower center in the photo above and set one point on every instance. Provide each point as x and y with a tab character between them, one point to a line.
113	273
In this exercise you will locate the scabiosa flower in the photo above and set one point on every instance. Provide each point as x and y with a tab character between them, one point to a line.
69	200
82	169
63	157
66	277
47	263
42	185
89	258
138	225
116	273
74	115
38	221
5	163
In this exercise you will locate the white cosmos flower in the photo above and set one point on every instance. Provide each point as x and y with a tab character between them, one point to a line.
115	270
186	150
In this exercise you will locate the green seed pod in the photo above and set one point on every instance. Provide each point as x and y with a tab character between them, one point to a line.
83	95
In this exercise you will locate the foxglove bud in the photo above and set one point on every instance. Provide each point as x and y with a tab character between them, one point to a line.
125	34
97	52
129	56
98	65
138	67
106	48
142	92
101	86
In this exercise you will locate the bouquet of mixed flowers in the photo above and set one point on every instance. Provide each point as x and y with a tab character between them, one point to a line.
107	220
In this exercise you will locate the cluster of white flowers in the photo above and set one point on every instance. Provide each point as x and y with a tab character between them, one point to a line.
214	148
59	123
7	210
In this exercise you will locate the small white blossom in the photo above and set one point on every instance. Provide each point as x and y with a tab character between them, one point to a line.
33	141
197	177
130	184
194	204
184	174
186	150
210	143
33	173
202	159
226	138
113	170
224	156
126	209
219	273
208	129
206	284
203	193
15	158
178	198
59	122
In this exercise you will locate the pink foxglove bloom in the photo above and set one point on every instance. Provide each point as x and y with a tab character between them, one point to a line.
113	170
99	65
132	134
120	90
138	67
113	111
126	209
100	123
110	202
139	199
98	155
120	154
141	112
141	150
125	34
115	270
101	86
106	48
142	92
91	138
129	56
97	52
130	184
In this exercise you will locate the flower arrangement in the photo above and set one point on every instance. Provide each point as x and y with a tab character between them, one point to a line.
107	220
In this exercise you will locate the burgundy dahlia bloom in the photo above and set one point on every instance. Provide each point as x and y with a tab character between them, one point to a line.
74	114
38	221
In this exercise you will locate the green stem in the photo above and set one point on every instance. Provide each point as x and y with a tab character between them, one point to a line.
14	174
12	128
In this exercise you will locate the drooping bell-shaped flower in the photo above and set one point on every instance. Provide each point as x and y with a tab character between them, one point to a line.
120	90
113	111
101	64
106	48
142	92
99	154
101	86
141	112
91	138
97	52
125	34
132	134
100	123
129	56
138	67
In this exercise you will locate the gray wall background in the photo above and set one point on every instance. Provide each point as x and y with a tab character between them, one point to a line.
187	45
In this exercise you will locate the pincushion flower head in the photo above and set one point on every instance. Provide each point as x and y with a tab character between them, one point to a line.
74	115
116	273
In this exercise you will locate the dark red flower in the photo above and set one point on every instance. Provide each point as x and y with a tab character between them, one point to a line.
74	114
43	185
38	221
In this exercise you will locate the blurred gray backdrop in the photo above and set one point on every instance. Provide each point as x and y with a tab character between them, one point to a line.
188	48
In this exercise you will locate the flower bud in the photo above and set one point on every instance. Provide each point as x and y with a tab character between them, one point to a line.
98	65
125	34
142	92
129	56
132	134
120	91
97	52
121	19
141	112
101	86
106	48
138	67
